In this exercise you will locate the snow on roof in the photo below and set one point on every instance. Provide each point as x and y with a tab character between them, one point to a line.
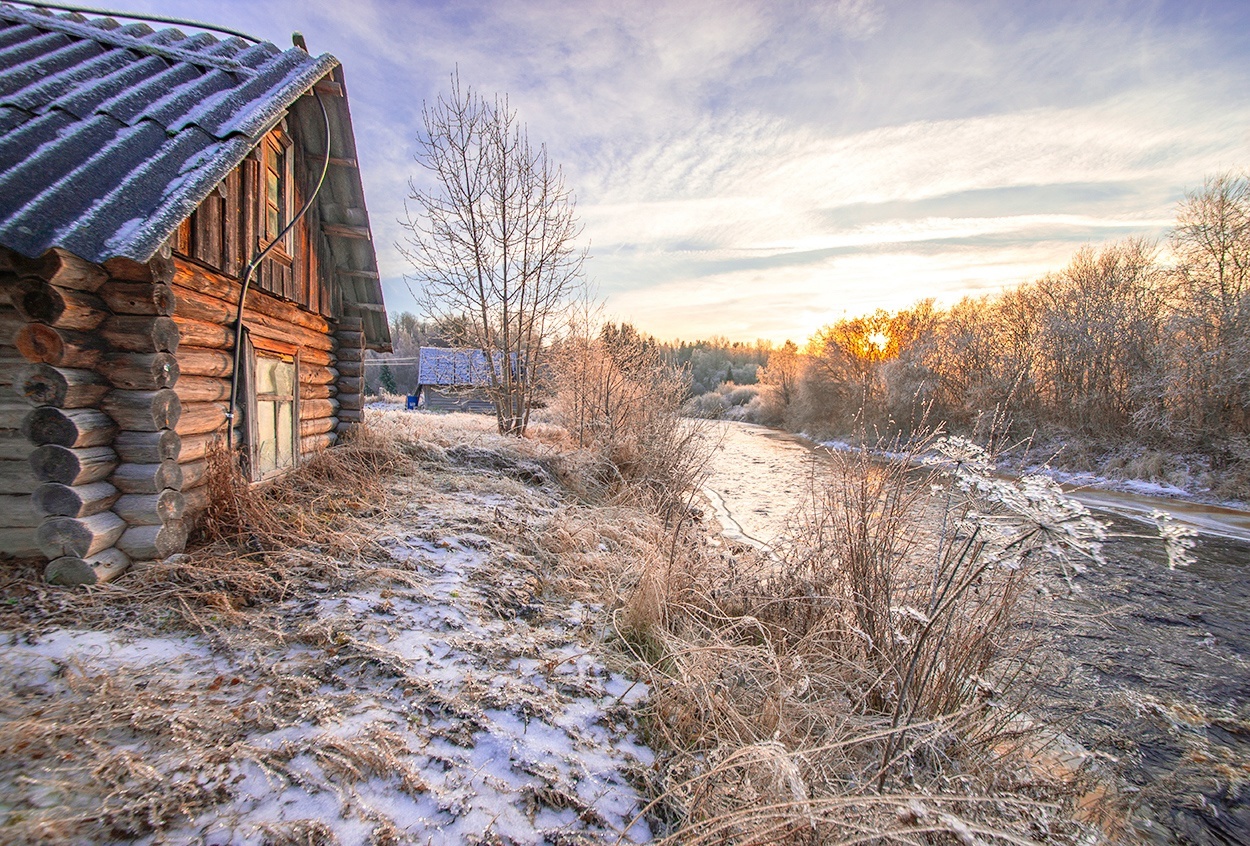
441	366
111	134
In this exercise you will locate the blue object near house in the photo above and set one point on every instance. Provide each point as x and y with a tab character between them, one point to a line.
412	402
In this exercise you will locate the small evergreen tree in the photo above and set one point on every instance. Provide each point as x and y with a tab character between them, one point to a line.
387	380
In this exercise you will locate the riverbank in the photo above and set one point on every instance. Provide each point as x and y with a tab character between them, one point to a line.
437	635
1194	505
1147	667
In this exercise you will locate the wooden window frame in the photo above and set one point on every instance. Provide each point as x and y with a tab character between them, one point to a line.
277	156
253	399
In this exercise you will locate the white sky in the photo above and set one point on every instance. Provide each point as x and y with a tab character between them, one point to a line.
759	169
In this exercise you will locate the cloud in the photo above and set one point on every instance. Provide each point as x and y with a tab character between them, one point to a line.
958	144
792	302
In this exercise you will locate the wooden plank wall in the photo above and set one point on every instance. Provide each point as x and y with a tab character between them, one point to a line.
222	235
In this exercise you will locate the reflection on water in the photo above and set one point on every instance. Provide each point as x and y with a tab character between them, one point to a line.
1152	666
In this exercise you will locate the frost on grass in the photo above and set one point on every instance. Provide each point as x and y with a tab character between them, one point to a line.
440	693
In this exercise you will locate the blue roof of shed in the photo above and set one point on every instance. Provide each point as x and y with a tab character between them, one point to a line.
111	134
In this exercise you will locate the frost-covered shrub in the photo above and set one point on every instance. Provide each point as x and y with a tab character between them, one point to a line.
767	408
917	565
737	395
710	406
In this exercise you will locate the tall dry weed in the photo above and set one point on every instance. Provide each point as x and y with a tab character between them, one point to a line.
862	683
618	399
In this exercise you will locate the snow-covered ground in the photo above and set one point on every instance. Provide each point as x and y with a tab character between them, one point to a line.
448	695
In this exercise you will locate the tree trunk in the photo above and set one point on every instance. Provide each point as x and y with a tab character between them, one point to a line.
202	389
198	361
43	384
102	567
196	500
80	427
17	511
59	347
147	478
20	542
194	473
79	536
142	371
138	298
315	443
40	302
66	270
150	509
148	447
201	417
149	543
143	411
141	334
13	444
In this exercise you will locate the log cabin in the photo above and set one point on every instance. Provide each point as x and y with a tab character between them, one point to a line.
144	175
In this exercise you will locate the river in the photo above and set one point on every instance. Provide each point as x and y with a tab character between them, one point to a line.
1149	667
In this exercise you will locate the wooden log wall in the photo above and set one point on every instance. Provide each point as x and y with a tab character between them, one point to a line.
55	324
115	382
18	518
350	367
206	306
142	366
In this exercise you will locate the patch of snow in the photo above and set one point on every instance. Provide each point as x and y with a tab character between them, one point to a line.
500	719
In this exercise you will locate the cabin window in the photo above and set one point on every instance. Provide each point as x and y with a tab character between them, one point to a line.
276	430
277	190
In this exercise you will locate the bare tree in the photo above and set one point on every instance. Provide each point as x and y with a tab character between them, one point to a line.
1211	354
492	241
782	372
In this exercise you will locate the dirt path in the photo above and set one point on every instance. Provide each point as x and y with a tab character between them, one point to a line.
444	693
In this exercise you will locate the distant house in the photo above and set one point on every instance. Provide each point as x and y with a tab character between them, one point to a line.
454	380
141	172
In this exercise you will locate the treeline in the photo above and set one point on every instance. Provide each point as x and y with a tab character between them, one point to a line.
717	360
1132	342
708	363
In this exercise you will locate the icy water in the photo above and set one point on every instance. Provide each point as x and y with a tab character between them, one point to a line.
1151	667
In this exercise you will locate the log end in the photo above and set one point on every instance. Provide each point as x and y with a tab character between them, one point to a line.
102	567
70	571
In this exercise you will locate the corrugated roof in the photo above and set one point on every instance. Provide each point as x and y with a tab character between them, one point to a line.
111	134
443	366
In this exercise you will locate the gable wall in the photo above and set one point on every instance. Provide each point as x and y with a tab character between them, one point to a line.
222	235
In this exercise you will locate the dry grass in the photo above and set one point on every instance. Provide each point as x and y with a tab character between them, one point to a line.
254	545
120	755
862	687
88	755
777	693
